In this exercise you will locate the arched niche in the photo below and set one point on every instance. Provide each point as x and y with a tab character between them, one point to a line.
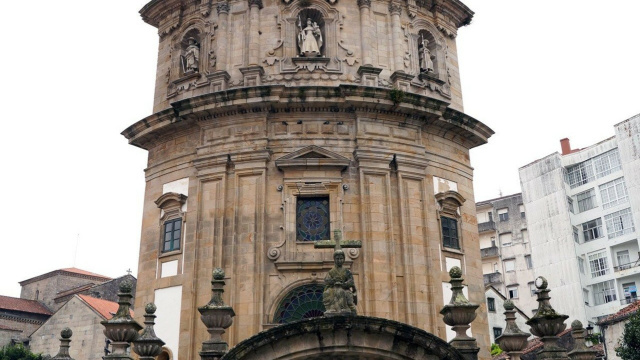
202	34
436	45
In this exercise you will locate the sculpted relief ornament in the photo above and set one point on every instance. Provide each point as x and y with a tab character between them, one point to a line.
190	60
339	297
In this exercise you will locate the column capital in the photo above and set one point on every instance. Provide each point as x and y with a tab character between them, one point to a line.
395	9
364	3
257	3
223	7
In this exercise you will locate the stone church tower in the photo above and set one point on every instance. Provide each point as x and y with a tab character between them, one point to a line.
278	122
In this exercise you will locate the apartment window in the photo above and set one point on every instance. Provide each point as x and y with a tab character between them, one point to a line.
522	214
527	259
491	304
570	204
497	332
525	235
585	296
172	231
586	200
607	163
580	174
619	223
512	291
503	214
490	214
630	291
624	261
449	232
604	292
509	265
493	241
613	193
598	264
576	237
581	264
592	229
505	239
532	288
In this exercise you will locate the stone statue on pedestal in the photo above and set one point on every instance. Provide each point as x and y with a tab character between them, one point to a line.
339	297
425	57
309	39
191	58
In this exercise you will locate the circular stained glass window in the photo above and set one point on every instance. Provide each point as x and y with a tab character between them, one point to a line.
304	302
312	219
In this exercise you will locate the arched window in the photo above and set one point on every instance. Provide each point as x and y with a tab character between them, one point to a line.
303	302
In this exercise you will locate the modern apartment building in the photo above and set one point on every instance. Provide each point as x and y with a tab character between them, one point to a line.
583	209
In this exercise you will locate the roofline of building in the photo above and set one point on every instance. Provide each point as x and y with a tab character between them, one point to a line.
504	298
98	277
629	119
484	202
620	318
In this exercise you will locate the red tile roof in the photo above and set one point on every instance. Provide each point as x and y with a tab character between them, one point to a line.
74	290
84	272
23	305
624	313
68	271
104	307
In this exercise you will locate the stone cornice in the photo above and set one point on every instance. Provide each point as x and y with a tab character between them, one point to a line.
155	10
280	99
457	11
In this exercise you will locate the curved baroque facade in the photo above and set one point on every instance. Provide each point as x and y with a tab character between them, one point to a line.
278	122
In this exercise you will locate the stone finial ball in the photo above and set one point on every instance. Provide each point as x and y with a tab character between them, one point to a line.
218	274
126	286
150	308
508	305
541	283
66	333
576	325
455	272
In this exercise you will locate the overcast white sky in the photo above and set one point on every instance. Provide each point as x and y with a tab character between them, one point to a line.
77	73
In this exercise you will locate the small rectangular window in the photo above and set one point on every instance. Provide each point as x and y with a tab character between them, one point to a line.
172	231
503	214
512	291
497	332
586	200
570	204
581	264
491	304
533	289
522	214
527	259
505	239
592	230
576	236
312	218
509	265
449	232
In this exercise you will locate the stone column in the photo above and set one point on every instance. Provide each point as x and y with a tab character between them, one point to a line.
365	26
121	329
65	339
459	314
220	78
396	30
254	28
547	324
580	350
148	345
513	340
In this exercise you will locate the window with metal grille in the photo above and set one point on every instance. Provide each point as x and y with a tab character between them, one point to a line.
598	264
604	292
613	193
303	302
619	223
586	200
312	218
172	231
449	232
592	230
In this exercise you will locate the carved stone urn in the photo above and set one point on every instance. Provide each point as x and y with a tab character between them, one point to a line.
547	324
513	340
217	317
148	345
459	314
121	329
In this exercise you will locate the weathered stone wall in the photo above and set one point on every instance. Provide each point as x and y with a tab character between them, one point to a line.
49	288
109	290
25	322
6	335
87	341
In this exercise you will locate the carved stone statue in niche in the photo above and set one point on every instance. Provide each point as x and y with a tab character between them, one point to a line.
339	288
309	38
426	59
191	58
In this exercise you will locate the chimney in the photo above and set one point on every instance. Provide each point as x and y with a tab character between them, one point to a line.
565	146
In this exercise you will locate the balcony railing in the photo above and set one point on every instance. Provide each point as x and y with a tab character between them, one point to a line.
494	278
489	252
626	266
486	226
628	300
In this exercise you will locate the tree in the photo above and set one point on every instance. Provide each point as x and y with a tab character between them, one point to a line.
18	352
629	346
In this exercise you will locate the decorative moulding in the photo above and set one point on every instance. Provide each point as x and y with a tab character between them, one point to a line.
450	201
170	200
312	156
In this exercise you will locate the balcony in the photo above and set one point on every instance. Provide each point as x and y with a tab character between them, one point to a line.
628	300
490	252
486	226
626	266
494	278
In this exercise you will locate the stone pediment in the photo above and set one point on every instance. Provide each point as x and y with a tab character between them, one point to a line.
312	156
